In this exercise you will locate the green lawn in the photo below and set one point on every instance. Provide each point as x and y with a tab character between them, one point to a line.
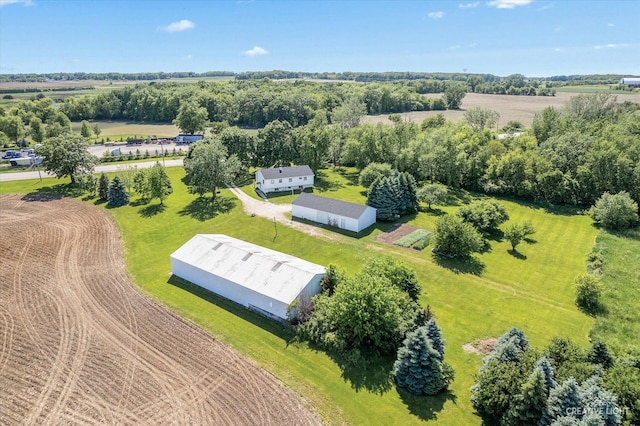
471	300
620	326
117	130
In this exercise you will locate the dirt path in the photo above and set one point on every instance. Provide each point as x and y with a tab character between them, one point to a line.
277	211
79	344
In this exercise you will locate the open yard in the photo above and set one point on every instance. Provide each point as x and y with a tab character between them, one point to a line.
81	345
472	300
510	107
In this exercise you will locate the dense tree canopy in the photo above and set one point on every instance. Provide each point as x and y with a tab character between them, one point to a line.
67	156
209	167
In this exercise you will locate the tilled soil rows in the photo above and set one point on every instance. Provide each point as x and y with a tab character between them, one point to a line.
81	345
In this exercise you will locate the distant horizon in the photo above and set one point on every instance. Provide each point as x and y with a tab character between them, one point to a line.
316	72
535	38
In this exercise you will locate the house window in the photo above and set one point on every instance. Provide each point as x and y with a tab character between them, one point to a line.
290	179
305	178
279	180
273	181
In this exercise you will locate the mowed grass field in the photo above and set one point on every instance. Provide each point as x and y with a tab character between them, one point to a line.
115	130
471	300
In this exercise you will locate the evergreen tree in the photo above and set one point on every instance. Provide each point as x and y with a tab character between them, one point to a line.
419	367
529	406
599	354
549	374
563	401
510	346
434	332
103	186
117	193
382	197
600	402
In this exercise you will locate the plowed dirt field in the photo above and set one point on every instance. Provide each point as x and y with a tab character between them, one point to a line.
81	345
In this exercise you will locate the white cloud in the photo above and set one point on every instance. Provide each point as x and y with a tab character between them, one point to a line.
508	4
611	46
256	51
455	47
547	6
182	25
436	15
611	25
188	57
469	5
472	45
557	49
25	2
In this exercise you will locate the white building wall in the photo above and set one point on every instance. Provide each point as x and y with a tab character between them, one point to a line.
238	293
305	213
266	185
348	223
228	289
367	219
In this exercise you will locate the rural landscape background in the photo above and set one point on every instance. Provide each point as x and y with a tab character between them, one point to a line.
520	132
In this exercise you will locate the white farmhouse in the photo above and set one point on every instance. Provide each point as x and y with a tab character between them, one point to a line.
259	278
284	179
341	214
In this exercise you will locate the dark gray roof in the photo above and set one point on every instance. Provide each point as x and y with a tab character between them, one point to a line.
330	205
286	172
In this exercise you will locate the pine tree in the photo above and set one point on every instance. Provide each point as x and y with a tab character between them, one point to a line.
599	354
510	346
117	193
435	335
531	403
563	401
549	373
599	401
419	367
103	187
382	197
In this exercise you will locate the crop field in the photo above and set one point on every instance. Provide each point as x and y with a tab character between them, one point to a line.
472	300
510	107
80	345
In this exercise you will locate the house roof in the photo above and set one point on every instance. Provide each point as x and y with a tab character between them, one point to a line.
286	172
330	205
277	275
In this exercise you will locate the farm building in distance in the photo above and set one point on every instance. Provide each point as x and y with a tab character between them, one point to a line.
284	179
341	214
259	278
630	81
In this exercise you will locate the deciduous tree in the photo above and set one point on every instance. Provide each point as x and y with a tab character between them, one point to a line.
209	167
67	156
456	238
191	117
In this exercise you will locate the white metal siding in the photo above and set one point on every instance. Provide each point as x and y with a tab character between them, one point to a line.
230	290
367	219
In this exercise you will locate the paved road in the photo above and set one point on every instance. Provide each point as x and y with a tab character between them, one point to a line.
6	177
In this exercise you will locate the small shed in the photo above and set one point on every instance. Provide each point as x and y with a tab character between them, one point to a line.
341	214
259	278
284	178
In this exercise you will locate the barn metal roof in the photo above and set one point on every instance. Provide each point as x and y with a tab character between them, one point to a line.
274	274
286	172
330	205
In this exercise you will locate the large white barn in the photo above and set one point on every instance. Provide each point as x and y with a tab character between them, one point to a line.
259	278
284	178
341	214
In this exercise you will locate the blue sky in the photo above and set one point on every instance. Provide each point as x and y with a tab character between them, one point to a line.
502	37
